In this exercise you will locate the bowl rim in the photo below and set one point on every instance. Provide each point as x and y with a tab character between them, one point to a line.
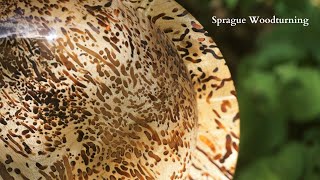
218	132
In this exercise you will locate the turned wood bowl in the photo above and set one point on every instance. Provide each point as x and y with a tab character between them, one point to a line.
114	89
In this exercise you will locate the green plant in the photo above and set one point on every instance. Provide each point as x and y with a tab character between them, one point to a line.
279	95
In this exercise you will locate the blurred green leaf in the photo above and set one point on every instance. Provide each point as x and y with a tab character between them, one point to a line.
300	92
286	73
262	87
231	3
258	98
274	54
312	169
289	162
290	7
261	170
297	37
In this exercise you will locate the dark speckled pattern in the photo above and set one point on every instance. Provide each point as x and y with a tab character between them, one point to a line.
112	89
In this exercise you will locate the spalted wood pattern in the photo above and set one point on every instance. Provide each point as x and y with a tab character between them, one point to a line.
112	89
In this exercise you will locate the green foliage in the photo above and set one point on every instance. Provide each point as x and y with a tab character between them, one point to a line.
279	94
231	3
286	164
264	130
300	90
260	168
289	162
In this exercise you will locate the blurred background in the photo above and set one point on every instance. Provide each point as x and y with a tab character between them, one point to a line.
276	69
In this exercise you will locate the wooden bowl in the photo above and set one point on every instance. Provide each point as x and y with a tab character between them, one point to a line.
113	90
